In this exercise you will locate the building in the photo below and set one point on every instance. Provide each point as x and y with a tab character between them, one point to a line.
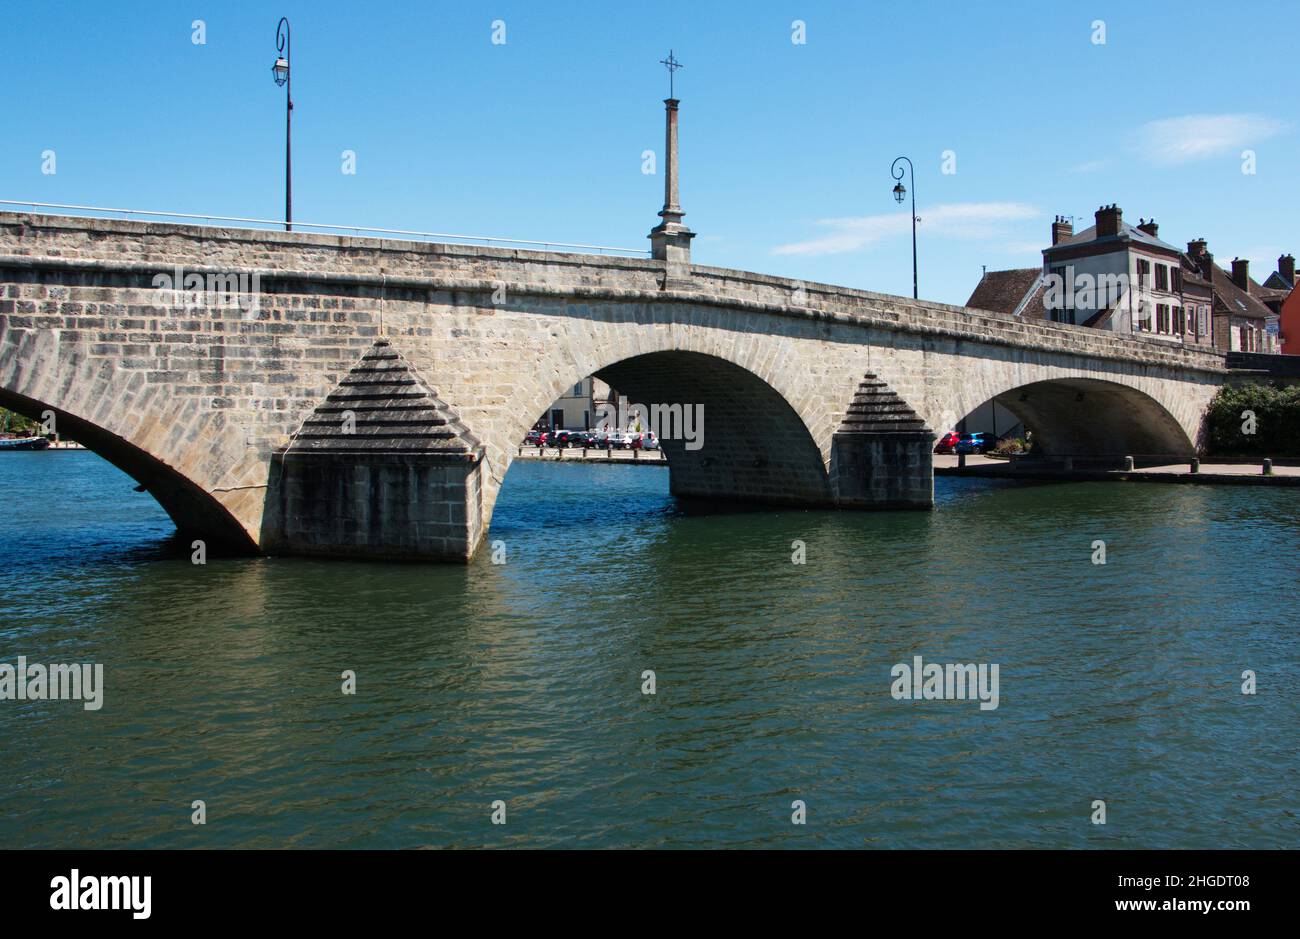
579	408
1279	294
1284	277
1289	324
573	410
1017	292
1243	322
1124	278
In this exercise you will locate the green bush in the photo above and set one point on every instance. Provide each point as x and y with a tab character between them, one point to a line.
1009	445
16	424
1277	421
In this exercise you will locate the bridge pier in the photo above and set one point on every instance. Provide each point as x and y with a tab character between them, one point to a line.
381	469
883	470
882	454
392	506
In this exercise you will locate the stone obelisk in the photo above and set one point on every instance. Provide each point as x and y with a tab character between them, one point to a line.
670	240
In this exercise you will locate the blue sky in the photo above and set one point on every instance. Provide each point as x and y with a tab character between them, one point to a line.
786	148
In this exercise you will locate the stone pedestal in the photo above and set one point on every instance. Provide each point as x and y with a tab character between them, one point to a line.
672	244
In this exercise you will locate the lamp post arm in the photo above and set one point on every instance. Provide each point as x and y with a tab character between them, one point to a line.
896	170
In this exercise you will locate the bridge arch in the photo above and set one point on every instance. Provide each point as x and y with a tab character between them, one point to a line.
736	436
1086	416
108	412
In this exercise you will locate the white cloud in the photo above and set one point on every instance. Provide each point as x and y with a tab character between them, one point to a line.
970	220
1197	136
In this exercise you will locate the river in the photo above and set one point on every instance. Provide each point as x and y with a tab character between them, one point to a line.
522	681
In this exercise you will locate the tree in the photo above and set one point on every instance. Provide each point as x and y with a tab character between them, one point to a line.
17	424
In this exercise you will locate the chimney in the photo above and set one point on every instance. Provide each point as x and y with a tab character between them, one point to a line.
1061	230
1108	219
1286	267
1241	273
1201	257
1149	226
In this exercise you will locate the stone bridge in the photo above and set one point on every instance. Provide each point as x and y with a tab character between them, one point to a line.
371	399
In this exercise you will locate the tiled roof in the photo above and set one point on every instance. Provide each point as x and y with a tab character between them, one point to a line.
1229	298
1006	291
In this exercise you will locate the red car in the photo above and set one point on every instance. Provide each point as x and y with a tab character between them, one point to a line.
947	443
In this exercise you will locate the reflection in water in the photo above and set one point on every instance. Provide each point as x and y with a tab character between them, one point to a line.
522	681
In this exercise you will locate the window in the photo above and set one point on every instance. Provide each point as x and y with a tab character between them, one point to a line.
1177	273
1065	295
1180	321
1203	320
1162	317
577	390
1162	277
1144	271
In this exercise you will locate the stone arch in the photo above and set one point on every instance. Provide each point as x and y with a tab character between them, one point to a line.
193	510
751	445
143	432
1091	417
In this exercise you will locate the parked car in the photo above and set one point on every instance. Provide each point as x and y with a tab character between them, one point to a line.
645	441
947	443
975	443
615	439
534	438
572	438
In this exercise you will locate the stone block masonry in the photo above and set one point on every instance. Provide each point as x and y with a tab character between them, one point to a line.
216	408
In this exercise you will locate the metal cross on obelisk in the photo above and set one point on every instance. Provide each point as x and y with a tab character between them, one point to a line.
672	65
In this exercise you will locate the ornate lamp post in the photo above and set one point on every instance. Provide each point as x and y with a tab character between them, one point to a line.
900	192
281	72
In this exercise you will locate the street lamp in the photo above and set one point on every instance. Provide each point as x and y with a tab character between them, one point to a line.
280	71
900	193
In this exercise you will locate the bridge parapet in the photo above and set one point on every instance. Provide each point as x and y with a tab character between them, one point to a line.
147	247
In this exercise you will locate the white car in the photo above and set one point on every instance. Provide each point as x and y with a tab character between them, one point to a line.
618	439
